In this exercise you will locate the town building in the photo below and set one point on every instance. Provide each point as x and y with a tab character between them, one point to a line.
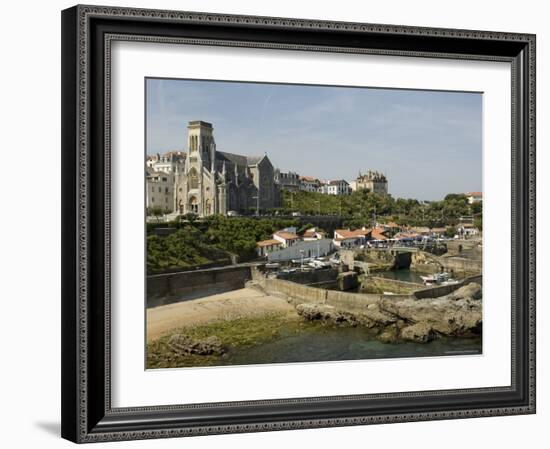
313	234
335	187
265	247
169	162
373	181
309	184
467	230
287	237
301	251
474	197
378	233
215	182
345	238
421	230
160	191
390	228
151	159
284	238
287	180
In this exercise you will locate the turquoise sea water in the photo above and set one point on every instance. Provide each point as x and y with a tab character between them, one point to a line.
344	343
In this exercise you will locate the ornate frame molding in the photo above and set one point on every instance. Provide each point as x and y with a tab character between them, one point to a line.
87	420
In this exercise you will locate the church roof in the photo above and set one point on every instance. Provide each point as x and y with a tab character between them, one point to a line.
238	159
253	160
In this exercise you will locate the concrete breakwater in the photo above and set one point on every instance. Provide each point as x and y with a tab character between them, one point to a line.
397	317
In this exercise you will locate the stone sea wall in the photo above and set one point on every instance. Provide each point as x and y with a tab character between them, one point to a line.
174	287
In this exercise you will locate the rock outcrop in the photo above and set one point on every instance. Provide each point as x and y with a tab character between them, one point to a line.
184	345
457	314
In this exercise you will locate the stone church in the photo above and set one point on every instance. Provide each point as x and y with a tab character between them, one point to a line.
215	182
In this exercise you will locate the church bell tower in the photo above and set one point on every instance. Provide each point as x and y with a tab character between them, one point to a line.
200	141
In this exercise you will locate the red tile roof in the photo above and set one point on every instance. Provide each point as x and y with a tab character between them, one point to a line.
268	243
287	235
377	234
347	234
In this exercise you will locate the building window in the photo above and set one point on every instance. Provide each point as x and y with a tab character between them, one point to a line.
152	199
193	179
160	189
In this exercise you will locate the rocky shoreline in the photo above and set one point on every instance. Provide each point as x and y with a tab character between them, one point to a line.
458	314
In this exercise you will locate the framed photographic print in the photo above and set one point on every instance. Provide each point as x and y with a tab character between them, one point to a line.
284	223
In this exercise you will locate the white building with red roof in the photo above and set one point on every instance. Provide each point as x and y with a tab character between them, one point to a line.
309	184
346	238
474	197
267	246
287	237
313	234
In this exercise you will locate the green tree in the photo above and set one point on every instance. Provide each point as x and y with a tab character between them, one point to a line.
450	232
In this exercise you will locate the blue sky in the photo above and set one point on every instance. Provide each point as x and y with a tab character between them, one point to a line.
428	143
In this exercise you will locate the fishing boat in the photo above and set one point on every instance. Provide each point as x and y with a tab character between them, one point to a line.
436	278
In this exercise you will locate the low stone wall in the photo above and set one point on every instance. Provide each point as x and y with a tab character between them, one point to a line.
396	282
375	284
310	277
295	292
175	287
442	290
461	264
355	302
298	294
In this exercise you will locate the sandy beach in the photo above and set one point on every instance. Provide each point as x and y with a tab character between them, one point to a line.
231	305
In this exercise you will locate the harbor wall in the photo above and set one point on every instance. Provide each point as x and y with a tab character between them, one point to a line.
442	290
175	287
310	277
298	293
461	264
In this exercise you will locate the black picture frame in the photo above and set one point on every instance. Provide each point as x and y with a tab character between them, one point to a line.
87	414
